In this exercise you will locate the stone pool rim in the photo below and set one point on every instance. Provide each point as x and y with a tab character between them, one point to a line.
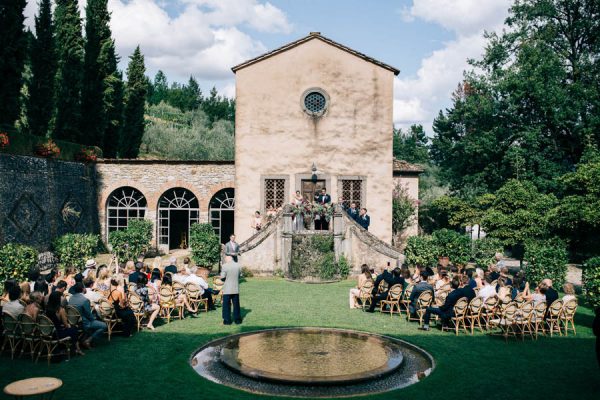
221	340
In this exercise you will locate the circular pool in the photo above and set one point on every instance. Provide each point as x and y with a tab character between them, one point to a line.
312	362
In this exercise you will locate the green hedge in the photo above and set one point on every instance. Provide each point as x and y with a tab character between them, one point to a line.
16	260
455	246
205	245
421	250
546	259
130	243
74	249
484	251
591	281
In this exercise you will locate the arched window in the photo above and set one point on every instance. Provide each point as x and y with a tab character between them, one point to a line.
221	209
123	204
178	209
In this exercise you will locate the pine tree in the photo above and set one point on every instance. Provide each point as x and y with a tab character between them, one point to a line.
12	58
135	100
112	99
97	32
40	105
69	46
192	95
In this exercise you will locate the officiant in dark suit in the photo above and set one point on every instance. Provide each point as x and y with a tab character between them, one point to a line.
322	198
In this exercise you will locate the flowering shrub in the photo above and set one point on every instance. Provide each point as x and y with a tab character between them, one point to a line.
73	249
4	141
47	149
310	210
16	260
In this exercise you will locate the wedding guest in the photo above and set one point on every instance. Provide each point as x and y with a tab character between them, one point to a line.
407	276
41	286
420	287
538	296
150	307
493	270
504	274
25	292
472	281
157	264
487	290
124	313
256	221
569	291
70	273
479	277
14	306
298	218
180	298
205	292
353	211
102	283
232	249
90	267
36	304
57	314
446	311
322	199
172	267
393	278
133	277
364	276
91	325
93	296
443	280
78	278
363	219
32	276
551	293
187	265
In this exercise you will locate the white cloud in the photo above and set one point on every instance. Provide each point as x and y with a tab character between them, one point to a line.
418	99
189	37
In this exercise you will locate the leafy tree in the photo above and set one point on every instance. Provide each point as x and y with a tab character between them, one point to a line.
12	58
411	145
403	210
135	96
518	212
69	46
205	245
159	89
97	33
74	249
112	99
40	104
577	216
546	259
534	106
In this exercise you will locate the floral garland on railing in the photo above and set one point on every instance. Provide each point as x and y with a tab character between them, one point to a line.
311	210
4	140
47	149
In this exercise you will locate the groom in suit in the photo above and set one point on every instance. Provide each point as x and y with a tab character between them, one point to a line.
323	198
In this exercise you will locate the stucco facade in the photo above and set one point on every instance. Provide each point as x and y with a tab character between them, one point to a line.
276	138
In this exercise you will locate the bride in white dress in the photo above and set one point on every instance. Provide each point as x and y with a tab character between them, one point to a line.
298	221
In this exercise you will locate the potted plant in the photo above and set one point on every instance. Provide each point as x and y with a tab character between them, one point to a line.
86	155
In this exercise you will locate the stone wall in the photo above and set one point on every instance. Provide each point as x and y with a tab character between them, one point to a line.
154	177
41	199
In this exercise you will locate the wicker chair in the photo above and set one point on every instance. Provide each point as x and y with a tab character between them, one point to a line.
567	316
405	301
383	287
392	301
49	343
12	333
194	297
523	319
507	321
553	317
108	315
460	311
218	285
365	294
75	319
537	318
167	302
473	315
137	306
423	301
489	309
29	335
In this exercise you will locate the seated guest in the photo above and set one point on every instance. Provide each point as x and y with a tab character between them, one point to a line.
504	274
420	287
90	268
32	277
102	283
391	279
538	296
133	277
124	313
60	287
41	286
57	314
70	273
407	276
493	270
14	306
416	277
78	278
364	276
196	277
149	307
155	279
181	276
446	311
472	281
51	279
467	290
91	325
442	280
180	298
503	290
93	296
36	305
487	290
551	294
187	265
479	277
569	290
172	267
8	284
25	292
157	264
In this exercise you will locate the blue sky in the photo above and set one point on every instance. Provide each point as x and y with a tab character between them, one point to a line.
428	40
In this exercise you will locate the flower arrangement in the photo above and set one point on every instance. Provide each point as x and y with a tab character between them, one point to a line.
47	149
4	141
310	210
86	155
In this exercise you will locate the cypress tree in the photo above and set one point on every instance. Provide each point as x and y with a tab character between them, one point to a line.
112	99
97	32
12	59
40	105
69	49
135	96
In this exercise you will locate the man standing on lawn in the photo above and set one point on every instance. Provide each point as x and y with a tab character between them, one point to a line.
230	274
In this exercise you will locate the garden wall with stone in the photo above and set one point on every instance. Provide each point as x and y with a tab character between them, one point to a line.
41	199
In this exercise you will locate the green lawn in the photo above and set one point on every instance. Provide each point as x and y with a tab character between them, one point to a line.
155	364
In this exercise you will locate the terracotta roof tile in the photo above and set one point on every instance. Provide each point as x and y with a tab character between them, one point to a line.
405	166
